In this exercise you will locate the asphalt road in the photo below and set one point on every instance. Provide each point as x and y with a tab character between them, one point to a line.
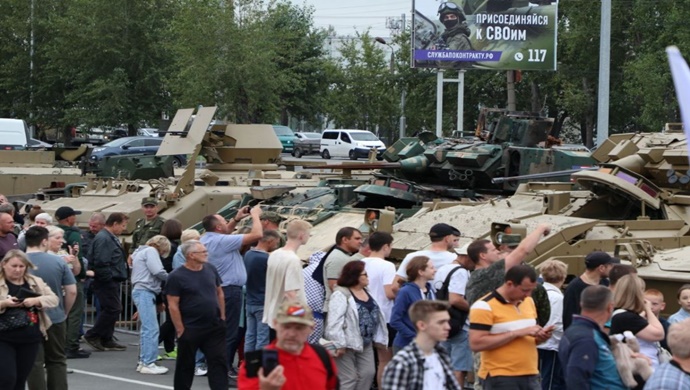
117	370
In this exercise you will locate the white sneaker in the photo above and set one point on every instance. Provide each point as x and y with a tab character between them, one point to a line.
153	369
139	366
200	370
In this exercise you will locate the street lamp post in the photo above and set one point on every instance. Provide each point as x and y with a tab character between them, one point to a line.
403	93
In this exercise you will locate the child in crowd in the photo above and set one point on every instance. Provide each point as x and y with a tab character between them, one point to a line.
684	302
656	299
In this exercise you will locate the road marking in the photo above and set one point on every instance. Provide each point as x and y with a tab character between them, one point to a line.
117	378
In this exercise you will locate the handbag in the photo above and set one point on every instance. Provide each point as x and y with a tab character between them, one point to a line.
663	354
14	318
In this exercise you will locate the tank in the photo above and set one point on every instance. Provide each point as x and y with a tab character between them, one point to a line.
634	205
238	165
513	144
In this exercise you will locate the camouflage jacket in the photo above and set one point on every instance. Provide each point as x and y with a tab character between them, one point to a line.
144	231
485	280
457	38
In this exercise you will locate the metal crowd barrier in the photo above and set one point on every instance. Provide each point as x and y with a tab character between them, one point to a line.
124	323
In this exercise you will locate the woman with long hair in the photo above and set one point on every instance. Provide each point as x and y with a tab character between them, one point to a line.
633	313
420	273
19	345
172	230
355	323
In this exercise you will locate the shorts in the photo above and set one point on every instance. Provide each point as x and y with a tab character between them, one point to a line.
458	348
391	335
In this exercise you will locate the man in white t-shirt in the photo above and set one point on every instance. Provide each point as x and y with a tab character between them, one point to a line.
284	279
444	239
381	275
458	345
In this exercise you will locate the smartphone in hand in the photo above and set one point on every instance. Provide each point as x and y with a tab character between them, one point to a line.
269	360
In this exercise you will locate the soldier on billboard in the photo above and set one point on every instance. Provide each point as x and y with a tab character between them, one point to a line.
457	33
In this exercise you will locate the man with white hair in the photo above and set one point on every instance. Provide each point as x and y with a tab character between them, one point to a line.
676	373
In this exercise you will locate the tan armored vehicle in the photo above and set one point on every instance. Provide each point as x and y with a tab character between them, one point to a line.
635	205
241	166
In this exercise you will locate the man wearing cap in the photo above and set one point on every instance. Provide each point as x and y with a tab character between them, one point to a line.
67	219
147	227
598	264
444	239
457	275
270	220
301	365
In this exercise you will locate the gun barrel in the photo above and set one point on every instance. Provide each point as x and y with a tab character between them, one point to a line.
545	175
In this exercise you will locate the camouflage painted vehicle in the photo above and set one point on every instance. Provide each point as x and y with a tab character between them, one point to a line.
513	144
635	205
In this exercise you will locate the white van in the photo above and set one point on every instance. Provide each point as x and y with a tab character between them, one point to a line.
14	134
349	143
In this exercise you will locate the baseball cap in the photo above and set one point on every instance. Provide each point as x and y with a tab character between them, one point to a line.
294	312
271	216
443	229
462	250
149	200
597	258
65	212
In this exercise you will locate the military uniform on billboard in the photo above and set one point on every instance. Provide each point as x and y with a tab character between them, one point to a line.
457	34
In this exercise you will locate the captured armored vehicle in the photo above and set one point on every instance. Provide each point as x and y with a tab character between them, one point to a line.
514	144
635	205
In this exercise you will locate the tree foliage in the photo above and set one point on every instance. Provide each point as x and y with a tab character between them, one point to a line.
98	62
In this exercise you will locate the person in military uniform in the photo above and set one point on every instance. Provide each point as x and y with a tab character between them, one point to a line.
270	220
456	35
146	227
66	220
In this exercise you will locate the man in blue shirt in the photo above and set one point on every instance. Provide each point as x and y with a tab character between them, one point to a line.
584	350
224	255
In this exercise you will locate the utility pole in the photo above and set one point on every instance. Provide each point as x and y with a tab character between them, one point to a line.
604	74
512	104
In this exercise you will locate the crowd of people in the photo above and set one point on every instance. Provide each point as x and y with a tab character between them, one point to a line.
243	309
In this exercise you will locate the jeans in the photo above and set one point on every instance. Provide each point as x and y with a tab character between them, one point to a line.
108	294
550	370
210	342
233	308
148	337
522	382
257	332
52	353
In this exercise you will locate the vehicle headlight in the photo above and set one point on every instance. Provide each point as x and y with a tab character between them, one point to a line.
96	150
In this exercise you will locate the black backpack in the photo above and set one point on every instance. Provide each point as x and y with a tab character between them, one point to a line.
457	316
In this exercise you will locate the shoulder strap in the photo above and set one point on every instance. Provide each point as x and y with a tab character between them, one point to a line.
618	311
326	360
446	283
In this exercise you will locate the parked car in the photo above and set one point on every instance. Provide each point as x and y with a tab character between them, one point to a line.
38	144
350	143
286	137
306	143
133	145
147	132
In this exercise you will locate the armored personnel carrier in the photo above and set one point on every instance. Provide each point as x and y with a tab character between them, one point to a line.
512	144
634	205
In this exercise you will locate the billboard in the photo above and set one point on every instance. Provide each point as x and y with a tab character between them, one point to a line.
485	34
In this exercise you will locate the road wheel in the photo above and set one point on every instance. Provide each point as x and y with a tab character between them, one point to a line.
297	153
352	154
176	163
325	155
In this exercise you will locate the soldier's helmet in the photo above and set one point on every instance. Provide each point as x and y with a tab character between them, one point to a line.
448	7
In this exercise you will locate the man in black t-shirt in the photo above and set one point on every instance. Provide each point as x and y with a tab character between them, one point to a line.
197	309
598	265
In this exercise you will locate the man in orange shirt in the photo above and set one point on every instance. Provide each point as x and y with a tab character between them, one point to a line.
301	366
